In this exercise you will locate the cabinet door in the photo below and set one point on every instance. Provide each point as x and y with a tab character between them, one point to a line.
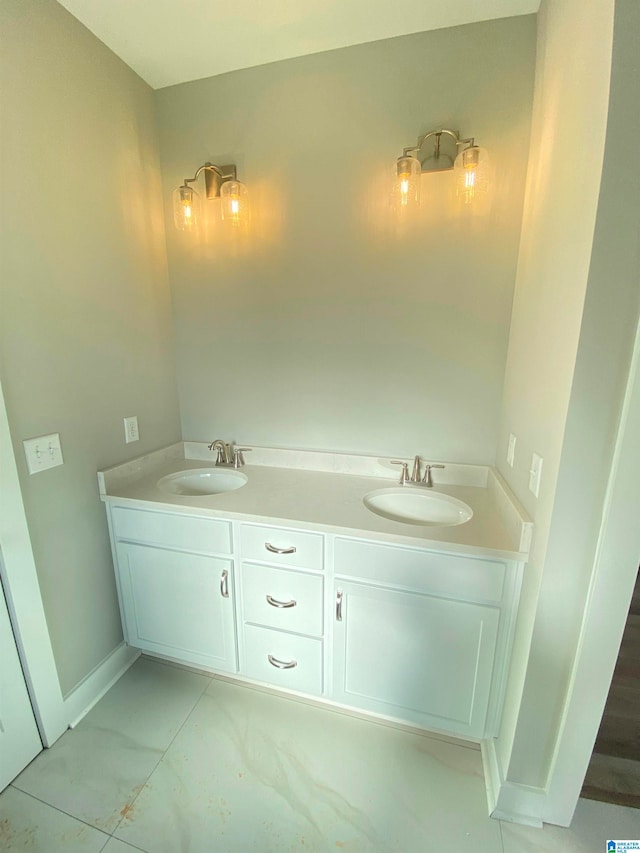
414	657
178	605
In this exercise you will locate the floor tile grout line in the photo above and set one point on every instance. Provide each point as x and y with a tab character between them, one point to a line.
110	835
87	823
132	846
159	761
62	811
501	837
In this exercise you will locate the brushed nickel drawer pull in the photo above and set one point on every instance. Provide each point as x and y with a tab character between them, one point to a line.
224	584
275	603
339	606
281	664
275	550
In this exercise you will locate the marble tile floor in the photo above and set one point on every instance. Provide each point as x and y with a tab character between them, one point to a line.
174	761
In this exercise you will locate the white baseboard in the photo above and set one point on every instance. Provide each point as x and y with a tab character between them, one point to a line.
93	687
492	773
506	800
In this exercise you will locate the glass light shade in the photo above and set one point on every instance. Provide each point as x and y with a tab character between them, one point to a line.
185	208
406	185
471	170
235	203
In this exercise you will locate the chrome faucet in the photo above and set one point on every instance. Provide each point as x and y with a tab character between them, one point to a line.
415	474
228	455
224	451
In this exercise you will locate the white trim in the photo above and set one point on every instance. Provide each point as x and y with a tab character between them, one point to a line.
509	801
23	597
93	687
611	588
493	776
520	804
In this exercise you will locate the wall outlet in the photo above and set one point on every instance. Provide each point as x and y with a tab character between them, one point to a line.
535	474
511	450
131	429
43	452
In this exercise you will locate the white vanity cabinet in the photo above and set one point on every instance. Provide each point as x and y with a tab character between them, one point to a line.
402	631
281	595
176	586
417	635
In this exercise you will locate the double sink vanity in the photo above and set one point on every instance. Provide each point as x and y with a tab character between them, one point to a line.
319	574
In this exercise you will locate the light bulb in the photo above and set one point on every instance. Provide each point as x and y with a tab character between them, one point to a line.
472	174
235	203
185	208
406	185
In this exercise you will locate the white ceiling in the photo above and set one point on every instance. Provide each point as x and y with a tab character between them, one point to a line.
172	41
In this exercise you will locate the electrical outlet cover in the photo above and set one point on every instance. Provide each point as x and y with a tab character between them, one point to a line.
131	429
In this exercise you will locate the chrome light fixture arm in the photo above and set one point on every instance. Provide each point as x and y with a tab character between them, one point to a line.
201	170
434	161
214	177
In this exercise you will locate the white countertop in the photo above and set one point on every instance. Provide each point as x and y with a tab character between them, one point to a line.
329	500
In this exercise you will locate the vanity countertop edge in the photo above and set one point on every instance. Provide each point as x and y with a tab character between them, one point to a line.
286	489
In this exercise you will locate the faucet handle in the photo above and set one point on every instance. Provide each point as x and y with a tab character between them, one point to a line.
238	458
404	476
426	480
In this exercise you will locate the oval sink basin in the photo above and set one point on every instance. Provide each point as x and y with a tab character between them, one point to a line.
417	506
202	481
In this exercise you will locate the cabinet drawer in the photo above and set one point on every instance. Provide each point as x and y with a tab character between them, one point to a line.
282	598
183	532
300	659
286	547
425	571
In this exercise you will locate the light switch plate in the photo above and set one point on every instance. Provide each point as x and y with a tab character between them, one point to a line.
511	450
535	474
43	452
131	429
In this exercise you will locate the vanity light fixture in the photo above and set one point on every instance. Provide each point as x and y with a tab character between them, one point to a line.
440	151
219	182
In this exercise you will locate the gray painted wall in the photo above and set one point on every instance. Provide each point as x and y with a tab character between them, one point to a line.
326	328
86	337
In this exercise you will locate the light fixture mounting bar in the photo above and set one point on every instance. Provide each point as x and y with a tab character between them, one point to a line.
214	177
441	155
